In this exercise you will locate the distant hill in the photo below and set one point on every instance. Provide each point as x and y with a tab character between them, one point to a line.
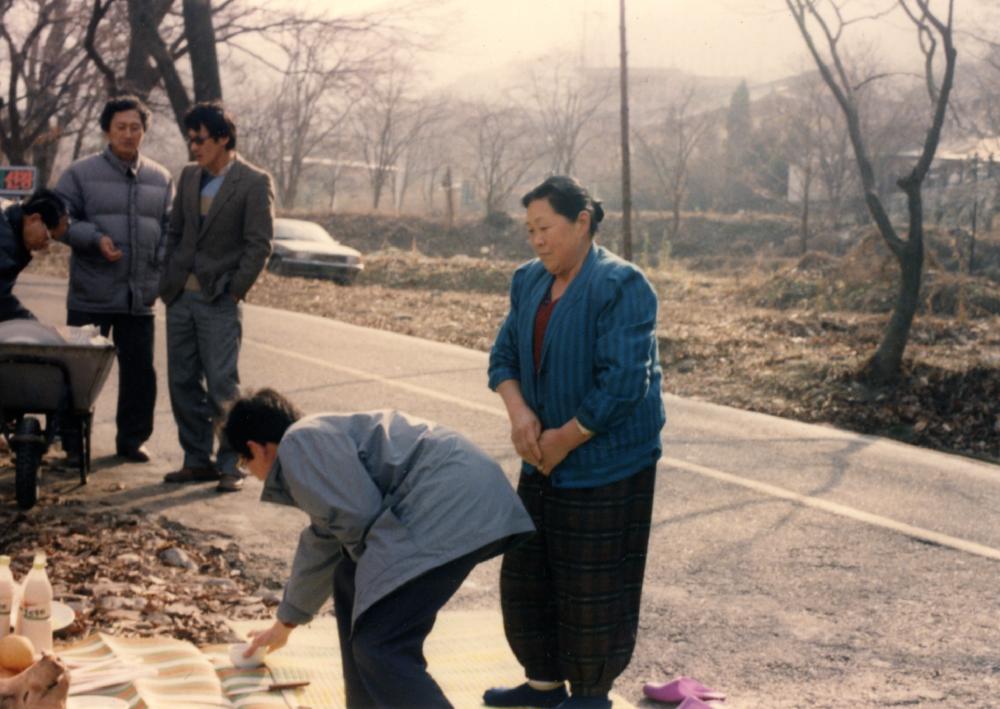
651	89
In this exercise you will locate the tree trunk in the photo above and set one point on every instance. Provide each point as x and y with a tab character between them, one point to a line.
333	195
886	364
15	154
378	181
804	221
144	18
449	195
675	220
626	151
201	46
43	157
291	193
146	45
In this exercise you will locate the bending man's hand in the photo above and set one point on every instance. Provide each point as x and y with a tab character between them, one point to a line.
274	638
109	251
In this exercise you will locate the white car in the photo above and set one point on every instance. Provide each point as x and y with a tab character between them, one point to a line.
302	248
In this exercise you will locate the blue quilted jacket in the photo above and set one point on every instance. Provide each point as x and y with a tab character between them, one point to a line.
129	203
599	363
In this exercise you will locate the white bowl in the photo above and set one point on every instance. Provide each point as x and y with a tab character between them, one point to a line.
246	663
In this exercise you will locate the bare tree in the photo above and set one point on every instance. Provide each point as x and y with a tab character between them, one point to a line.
670	150
433	154
822	23
815	143
978	97
565	101
388	120
157	40
502	157
161	37
46	74
426	157
298	119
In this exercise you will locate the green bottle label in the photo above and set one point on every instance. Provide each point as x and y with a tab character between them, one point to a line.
36	613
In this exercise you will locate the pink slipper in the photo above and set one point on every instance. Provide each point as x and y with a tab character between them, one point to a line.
677	690
693	703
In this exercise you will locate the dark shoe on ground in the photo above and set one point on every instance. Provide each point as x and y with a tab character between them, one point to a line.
192	475
230	483
524	695
135	455
586	703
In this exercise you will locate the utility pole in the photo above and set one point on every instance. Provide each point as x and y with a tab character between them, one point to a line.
449	195
626	152
975	210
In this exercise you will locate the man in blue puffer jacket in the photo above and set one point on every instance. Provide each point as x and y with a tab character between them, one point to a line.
119	203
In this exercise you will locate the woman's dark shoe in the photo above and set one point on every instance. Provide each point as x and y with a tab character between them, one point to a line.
524	695
586	703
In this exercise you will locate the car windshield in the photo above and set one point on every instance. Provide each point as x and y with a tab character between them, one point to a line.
291	230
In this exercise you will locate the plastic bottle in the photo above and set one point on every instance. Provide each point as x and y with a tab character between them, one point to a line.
35	621
7	588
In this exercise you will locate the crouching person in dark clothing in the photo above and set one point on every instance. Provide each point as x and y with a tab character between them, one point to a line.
400	509
25	228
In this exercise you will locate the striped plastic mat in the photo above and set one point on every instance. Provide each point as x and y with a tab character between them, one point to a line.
466	653
185	675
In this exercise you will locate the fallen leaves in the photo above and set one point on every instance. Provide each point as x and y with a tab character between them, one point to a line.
128	575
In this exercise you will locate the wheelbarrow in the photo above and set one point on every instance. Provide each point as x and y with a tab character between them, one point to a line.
41	373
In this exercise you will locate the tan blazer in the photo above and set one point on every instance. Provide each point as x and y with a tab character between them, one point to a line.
230	248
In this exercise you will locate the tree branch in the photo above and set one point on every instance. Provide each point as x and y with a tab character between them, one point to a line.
89	44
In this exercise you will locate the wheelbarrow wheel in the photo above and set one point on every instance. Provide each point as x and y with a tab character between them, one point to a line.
28	445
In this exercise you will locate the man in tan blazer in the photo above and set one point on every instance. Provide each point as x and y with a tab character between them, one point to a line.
219	240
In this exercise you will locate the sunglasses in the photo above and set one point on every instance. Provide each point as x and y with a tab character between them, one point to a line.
198	140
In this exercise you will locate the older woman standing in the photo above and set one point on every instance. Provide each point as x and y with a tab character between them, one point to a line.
576	365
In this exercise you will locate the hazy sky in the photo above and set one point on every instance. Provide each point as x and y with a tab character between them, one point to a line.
756	39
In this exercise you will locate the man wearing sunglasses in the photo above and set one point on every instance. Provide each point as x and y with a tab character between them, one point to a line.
118	202
219	240
24	229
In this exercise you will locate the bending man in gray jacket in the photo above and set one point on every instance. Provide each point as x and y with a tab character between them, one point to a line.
400	510
119	203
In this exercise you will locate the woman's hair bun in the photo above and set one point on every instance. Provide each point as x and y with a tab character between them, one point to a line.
598	211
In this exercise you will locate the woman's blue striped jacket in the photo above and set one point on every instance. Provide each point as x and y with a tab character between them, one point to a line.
600	363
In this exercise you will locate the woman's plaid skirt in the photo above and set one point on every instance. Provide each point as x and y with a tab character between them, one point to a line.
570	594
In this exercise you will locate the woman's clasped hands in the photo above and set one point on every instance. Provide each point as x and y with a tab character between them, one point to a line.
542	449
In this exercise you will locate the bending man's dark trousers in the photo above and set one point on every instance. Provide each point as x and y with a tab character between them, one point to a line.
383	659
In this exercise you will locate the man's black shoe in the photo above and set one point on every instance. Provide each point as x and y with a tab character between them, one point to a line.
193	475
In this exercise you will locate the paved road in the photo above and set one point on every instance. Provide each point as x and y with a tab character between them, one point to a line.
790	564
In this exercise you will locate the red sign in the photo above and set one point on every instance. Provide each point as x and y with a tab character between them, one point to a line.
16	180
